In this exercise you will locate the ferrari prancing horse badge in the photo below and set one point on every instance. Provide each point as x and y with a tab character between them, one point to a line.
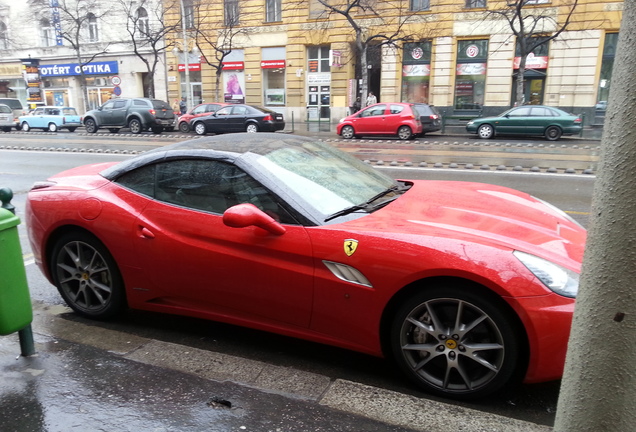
350	246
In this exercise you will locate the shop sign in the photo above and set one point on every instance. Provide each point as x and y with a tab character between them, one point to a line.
532	62
471	69
318	78
237	65
93	68
32	78
12	71
472	51
416	70
272	64
192	67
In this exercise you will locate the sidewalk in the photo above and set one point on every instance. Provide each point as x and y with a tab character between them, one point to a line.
87	378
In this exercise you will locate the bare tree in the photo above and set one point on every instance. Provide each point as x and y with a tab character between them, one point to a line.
78	29
147	26
532	28
374	28
215	35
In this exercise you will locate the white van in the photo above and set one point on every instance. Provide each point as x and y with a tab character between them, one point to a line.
16	107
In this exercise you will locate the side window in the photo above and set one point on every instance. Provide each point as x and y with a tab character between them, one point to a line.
395	109
377	110
224	111
520	112
239	111
199	110
119	104
38	111
141	180
108	105
138	102
541	112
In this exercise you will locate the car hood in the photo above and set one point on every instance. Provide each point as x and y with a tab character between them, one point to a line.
481	213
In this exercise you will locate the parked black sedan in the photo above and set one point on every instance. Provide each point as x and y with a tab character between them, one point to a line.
239	118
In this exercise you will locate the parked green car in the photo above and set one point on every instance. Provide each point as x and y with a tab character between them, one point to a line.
550	122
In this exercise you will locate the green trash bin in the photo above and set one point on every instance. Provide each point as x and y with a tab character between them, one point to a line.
16	312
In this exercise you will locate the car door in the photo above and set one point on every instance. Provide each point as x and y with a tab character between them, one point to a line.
37	118
193	260
371	120
220	121
238	118
105	113
515	122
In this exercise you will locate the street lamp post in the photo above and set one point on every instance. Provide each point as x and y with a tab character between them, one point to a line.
186	54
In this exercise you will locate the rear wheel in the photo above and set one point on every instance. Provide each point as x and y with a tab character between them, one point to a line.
52	127
184	127
347	132
200	129
251	128
26	127
87	276
405	133
553	133
135	126
486	131
456	342
90	125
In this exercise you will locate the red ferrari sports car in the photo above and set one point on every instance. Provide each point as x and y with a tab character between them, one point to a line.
468	287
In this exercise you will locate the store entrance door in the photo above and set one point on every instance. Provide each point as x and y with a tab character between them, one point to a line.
533	87
319	107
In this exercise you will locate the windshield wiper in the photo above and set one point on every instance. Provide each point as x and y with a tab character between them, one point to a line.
367	205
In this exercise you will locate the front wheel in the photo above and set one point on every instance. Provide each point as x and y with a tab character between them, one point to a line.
184	127
26	127
200	129
87	276
90	125
347	132
486	131
405	133
457	343
553	133
52	127
251	128
135	126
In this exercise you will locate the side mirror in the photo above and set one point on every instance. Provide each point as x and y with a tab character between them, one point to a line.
245	215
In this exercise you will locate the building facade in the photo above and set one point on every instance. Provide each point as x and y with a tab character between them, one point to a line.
38	65
299	58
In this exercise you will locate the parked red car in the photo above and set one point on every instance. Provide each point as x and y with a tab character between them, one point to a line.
469	287
395	118
198	111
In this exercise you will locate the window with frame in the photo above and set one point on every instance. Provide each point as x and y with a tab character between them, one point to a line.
231	9
93	34
47	33
273	10
473	4
188	13
4	37
420	5
143	24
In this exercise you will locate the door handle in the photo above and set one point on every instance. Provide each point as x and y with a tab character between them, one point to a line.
145	232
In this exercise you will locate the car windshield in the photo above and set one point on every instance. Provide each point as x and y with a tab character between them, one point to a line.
328	179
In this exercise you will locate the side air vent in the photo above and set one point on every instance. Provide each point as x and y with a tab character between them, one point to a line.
347	273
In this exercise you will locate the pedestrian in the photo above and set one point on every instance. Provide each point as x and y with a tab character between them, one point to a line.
371	99
183	106
356	106
175	107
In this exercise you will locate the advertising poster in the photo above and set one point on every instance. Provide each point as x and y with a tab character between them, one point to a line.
31	73
234	85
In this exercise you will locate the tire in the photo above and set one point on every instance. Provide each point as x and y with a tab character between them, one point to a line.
90	125
156	129
466	358
135	126
404	133
347	132
25	127
87	276
200	129
52	127
72	129
251	128
184	127
486	131
553	133
113	130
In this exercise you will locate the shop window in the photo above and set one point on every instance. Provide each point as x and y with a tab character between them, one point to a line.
93	34
47	33
416	72
273	10
4	37
473	4
470	74
607	65
420	5
231	8
188	13
143	25
318	59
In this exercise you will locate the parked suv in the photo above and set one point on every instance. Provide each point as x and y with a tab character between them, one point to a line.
138	114
16	107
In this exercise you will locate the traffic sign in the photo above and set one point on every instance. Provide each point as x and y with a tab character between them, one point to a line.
115	80
117	91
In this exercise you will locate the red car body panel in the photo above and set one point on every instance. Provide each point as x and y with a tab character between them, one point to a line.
189	262
385	124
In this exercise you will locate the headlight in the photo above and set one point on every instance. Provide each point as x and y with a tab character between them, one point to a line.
341	120
559	279
470	122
